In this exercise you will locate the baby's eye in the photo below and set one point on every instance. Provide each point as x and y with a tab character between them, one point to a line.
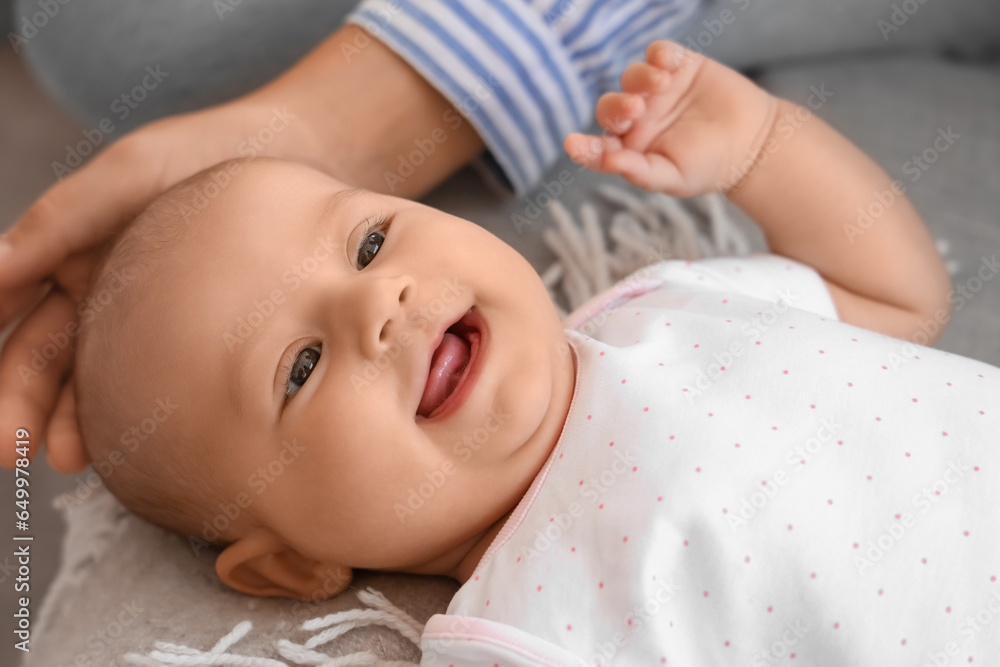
300	372
372	239
369	248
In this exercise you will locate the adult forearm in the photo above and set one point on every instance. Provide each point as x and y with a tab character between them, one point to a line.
370	119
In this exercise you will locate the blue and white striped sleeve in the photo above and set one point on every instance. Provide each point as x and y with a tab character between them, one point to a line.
525	73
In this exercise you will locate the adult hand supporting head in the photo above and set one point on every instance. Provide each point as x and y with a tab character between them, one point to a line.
57	241
349	116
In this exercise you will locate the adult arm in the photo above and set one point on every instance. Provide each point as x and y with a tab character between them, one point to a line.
524	72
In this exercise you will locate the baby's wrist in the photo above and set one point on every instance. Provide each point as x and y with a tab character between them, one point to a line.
762	144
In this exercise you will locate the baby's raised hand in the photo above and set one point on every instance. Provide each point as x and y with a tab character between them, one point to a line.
683	125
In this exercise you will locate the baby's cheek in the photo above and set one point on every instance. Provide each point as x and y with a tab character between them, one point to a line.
522	400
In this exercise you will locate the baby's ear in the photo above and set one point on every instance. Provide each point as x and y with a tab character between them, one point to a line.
259	563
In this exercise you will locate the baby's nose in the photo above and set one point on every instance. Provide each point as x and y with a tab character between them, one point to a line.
382	308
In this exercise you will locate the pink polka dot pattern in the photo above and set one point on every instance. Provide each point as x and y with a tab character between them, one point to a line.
753	477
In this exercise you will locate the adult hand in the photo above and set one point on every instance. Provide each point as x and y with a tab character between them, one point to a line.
58	241
324	112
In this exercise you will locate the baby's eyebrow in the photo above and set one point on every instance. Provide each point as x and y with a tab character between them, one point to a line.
334	204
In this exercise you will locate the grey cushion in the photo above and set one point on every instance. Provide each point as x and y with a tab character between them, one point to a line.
755	33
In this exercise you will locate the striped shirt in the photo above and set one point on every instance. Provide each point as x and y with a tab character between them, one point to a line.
525	73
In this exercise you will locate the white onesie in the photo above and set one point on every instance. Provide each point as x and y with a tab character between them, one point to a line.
744	480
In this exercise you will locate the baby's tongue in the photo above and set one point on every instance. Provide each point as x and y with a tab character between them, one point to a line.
446	367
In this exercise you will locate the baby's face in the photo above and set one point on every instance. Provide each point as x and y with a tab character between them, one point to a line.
359	458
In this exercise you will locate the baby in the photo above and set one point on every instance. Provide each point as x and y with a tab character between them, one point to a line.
701	466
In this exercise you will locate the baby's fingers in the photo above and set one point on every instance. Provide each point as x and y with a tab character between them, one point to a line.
615	112
670	56
588	150
644	79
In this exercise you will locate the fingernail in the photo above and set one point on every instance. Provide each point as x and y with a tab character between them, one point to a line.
5	247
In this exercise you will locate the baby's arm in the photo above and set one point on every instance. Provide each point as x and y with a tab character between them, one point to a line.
686	125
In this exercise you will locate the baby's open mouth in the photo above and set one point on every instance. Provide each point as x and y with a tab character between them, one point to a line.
450	364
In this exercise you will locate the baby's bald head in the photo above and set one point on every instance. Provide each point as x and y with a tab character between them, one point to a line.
136	427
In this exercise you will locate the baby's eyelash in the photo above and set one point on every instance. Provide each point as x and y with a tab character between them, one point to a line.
287	362
377	224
